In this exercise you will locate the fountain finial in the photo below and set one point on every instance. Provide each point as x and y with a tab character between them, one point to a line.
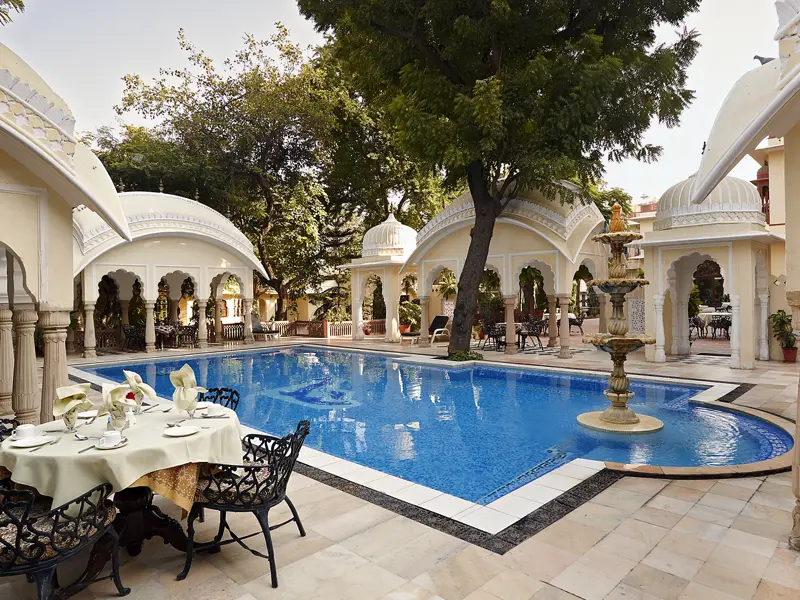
617	223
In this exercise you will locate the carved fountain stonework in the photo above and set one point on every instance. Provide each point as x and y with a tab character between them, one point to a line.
618	417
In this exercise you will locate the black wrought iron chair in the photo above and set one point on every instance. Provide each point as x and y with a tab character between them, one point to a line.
532	329
227	397
34	541
577	321
256	487
187	336
7	427
721	325
697	325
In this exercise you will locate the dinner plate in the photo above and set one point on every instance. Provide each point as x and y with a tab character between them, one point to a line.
181	431
123	442
87	414
32	442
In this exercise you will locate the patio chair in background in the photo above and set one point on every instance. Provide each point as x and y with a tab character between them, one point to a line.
697	325
256	487
438	327
577	321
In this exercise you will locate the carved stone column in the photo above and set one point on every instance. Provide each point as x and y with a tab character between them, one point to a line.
563	301
763	326
202	327
247	308
218	307
552	326
25	397
125	306
658	303
736	310
424	321
603	324
54	333
6	361
511	330
357	313
89	340
150	327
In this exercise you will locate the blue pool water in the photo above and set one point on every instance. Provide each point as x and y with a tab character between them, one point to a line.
473	432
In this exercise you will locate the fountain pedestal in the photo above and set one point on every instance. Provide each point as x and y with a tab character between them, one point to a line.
618	417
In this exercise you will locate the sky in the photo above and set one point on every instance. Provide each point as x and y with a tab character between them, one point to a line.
83	48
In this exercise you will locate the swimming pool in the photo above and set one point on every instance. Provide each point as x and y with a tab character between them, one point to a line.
475	432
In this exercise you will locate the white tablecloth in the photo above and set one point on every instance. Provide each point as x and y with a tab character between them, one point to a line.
708	317
60	472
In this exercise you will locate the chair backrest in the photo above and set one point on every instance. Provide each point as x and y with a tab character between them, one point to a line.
29	540
227	397
7	427
439	322
269	462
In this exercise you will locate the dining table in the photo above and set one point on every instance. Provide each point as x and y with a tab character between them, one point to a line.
150	462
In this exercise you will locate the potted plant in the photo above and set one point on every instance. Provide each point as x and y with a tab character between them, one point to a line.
783	331
410	316
367	330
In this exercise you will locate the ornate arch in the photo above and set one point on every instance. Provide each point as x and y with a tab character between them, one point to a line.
17	262
434	274
548	276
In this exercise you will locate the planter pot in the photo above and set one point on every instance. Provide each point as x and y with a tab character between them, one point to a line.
789	355
405	328
367	331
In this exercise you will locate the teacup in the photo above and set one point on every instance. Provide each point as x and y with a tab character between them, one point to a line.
111	438
214	410
25	431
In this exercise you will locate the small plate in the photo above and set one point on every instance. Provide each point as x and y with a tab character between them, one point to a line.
32	442
87	414
202	405
123	442
220	416
181	431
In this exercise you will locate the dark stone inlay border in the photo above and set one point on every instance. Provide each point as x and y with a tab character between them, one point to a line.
736	393
500	543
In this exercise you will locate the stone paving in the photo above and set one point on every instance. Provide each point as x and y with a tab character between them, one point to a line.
641	539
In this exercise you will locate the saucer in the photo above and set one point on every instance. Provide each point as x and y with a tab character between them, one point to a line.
87	414
181	431
202	405
100	446
32	442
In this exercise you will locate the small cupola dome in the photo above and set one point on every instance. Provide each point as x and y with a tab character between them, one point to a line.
390	238
732	201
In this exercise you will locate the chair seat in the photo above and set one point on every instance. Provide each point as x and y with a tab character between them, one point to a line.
410	334
239	490
40	542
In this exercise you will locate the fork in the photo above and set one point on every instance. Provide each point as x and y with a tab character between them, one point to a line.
53	443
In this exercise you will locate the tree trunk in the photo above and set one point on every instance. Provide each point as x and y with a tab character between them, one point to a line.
486	212
527	294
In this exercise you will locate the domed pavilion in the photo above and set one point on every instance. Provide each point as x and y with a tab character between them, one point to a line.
533	231
728	229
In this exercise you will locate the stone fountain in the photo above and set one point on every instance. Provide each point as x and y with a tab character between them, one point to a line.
618	417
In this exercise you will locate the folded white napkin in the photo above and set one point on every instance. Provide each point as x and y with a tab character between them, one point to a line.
186	388
139	388
70	400
115	403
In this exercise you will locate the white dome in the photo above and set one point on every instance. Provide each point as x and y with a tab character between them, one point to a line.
390	238
732	201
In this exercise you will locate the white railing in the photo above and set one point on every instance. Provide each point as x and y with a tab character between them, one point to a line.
340	329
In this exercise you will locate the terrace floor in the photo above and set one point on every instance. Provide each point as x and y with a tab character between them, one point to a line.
640	539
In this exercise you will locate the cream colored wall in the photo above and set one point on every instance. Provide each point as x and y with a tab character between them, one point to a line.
37	227
153	258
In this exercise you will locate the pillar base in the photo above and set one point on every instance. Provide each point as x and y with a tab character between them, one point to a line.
794	536
89	354
594	420
202	344
564	352
150	348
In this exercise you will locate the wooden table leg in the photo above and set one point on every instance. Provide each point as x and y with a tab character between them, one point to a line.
138	520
